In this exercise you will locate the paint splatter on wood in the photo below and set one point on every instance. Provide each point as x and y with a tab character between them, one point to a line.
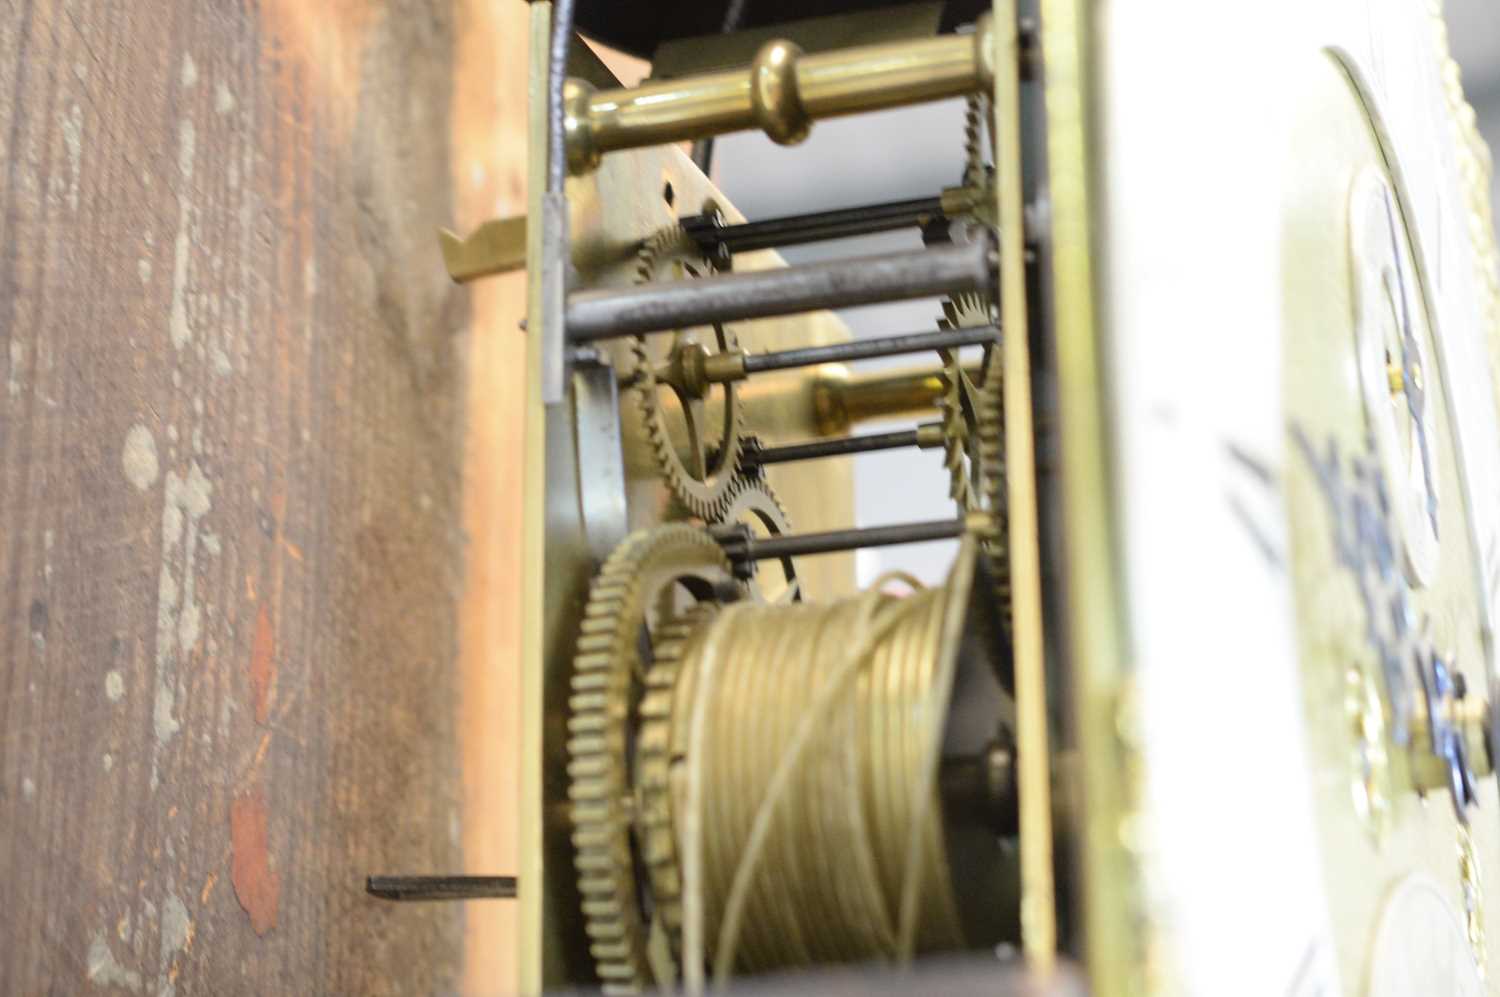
263	665
256	885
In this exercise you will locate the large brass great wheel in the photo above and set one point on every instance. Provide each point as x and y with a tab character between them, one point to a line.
631	604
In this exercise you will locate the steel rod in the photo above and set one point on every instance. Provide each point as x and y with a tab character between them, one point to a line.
795	230
741	545
596	315
441	887
837	446
866	349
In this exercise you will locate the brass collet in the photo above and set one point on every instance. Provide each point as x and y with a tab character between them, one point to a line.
774	101
692	370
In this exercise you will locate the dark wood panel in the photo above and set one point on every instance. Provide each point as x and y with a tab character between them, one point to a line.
230	490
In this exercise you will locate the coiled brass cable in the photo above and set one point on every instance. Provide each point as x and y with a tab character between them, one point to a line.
805	802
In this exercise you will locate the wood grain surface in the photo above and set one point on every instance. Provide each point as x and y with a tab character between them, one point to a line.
232	505
489	151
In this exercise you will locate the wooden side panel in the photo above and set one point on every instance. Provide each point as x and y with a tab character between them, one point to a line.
489	161
231	445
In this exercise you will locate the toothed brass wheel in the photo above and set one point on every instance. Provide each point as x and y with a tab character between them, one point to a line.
753	504
649	580
654	756
994	540
960	403
695	431
972	407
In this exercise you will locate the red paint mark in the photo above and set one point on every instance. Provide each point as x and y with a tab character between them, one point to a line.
256	885
263	664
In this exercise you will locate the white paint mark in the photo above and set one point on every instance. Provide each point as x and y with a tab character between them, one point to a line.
47	538
139	457
17	361
162	722
114	685
28	788
57	189
223	99
109	761
176	929
192	624
143	266
189	71
187	147
175	925
72	131
105	971
186	500
187	142
310	276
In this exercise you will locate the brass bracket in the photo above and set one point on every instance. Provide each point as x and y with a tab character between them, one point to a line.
497	246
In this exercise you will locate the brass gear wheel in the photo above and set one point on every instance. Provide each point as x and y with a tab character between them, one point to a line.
635	584
979	124
974	414
959	404
698	474
752	498
973	420
995	537
655	753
